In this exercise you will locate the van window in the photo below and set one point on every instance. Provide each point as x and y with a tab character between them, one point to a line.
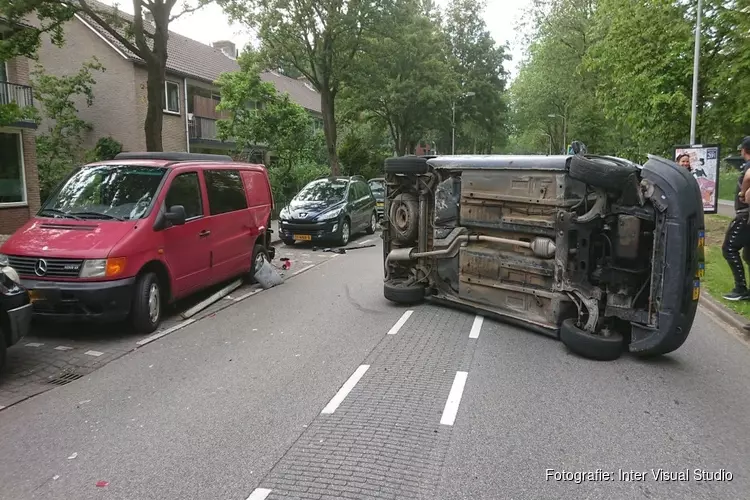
225	191
257	188
185	190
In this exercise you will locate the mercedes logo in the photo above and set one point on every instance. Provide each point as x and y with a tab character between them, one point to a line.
41	267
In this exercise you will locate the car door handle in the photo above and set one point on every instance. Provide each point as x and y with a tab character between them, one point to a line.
204	234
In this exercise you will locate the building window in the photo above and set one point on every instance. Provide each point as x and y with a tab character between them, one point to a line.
12	182
171	99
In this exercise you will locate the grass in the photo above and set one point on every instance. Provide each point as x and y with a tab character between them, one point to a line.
727	184
718	278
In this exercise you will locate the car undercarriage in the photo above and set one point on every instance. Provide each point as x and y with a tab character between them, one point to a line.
599	252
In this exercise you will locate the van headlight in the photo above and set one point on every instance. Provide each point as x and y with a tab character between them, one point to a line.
11	274
103	268
4	260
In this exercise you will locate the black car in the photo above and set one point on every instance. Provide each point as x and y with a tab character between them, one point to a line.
377	186
15	311
329	209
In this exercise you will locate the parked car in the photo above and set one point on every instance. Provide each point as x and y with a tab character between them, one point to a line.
329	209
599	252
15	310
377	186
119	239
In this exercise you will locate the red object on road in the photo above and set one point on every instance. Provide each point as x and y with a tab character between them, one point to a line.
102	484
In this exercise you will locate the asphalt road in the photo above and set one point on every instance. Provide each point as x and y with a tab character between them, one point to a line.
301	392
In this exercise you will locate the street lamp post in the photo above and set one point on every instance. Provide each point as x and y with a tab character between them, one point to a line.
564	127
696	66
453	122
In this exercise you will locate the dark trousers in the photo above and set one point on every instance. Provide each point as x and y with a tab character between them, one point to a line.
737	239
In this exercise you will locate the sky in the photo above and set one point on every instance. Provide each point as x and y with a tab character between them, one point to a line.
210	24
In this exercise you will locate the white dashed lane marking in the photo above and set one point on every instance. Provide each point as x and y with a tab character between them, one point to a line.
63	348
34	344
454	399
404	318
345	389
476	327
94	353
259	494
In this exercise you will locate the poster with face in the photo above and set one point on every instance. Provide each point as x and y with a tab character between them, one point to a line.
702	161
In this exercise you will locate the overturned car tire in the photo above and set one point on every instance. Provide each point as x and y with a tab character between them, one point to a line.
406	165
602	173
589	345
401	293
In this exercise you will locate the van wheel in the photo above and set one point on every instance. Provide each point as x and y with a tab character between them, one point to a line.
401	293
589	345
602	173
259	255
373	223
406	165
146	311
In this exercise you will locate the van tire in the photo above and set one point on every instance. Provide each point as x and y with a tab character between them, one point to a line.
140	313
402	294
602	173
589	345
257	251
406	165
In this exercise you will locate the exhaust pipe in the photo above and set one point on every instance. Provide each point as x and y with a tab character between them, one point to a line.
542	247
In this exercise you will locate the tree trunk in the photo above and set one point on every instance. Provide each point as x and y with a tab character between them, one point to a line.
329	129
154	112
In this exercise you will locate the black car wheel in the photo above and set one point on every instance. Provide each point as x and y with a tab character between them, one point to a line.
602	173
289	243
589	345
406	165
373	223
401	293
345	232
147	308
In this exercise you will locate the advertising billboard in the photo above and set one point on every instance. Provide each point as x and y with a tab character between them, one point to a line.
704	165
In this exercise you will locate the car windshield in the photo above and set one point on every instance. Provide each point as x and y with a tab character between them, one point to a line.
106	192
323	190
377	188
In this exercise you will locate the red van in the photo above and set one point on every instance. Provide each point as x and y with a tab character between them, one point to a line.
118	239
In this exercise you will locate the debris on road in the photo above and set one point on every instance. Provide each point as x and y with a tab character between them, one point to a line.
74	455
102	484
213	298
268	276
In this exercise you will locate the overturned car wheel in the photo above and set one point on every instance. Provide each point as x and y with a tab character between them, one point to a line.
589	345
402	293
406	165
602	173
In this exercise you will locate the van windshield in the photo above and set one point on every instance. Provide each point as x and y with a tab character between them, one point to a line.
121	192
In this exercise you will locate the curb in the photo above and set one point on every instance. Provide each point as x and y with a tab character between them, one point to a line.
726	315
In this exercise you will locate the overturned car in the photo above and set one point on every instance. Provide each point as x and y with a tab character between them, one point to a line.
599	252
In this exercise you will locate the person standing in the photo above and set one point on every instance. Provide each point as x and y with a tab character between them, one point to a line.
737	238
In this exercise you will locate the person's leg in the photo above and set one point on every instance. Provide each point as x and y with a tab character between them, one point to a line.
734	241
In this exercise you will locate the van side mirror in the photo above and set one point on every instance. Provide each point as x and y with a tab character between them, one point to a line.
176	215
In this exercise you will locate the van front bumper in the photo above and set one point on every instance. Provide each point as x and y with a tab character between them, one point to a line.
93	300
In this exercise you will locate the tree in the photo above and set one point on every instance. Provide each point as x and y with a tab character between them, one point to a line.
403	80
318	39
59	147
145	40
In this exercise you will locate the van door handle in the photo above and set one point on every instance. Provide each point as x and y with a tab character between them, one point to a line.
204	234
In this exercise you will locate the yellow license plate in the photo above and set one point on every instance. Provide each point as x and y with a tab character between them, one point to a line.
696	290
302	237
379	204
34	295
701	239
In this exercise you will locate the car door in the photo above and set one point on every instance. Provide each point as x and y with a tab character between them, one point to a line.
364	203
187	248
232	232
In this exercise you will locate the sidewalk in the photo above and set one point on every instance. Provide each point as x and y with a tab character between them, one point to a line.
726	208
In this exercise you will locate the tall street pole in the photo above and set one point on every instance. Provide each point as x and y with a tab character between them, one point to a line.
696	66
453	130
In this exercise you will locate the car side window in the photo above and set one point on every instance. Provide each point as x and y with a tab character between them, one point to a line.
225	191
352	191
365	189
185	190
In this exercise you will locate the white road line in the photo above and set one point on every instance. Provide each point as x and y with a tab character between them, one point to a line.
395	328
94	353
365	242
454	399
1	407
63	348
34	344
248	294
298	271
345	389
259	494
476	327
169	330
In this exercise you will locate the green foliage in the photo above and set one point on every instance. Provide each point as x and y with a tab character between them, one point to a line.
59	147
363	150
106	149
22	39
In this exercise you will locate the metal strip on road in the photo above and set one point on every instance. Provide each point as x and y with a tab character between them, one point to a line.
345	390
404	318
259	494
476	327
454	399
169	330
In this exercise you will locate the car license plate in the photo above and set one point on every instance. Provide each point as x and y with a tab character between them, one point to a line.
379	204
696	290
302	237
701	269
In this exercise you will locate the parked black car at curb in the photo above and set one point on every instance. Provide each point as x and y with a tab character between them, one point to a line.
15	311
594	250
377	186
331	209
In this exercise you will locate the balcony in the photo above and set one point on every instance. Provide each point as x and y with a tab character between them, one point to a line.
22	95
203	129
